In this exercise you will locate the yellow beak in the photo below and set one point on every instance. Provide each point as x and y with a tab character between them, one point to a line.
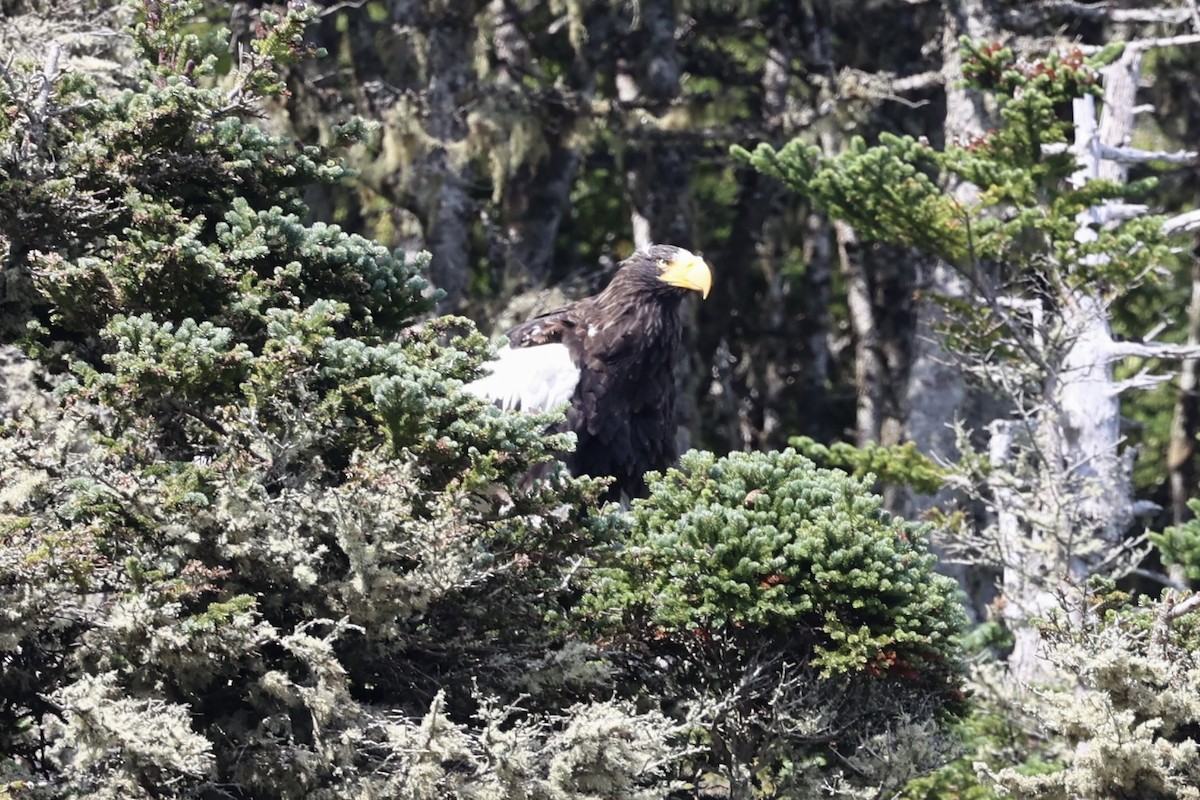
688	272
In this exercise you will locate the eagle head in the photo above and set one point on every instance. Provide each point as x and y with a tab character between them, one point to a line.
665	266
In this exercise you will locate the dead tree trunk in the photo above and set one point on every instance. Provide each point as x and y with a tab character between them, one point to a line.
1185	421
1081	492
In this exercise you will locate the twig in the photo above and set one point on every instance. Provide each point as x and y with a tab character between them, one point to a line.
1158	577
1168	612
339	6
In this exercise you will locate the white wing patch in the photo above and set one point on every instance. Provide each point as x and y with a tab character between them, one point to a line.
540	378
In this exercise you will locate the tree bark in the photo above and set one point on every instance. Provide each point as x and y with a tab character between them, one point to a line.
1185	421
658	169
441	184
936	391
936	396
868	369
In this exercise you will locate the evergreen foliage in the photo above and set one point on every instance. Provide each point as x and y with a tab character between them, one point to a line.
898	464
1007	210
810	622
1179	545
257	547
258	543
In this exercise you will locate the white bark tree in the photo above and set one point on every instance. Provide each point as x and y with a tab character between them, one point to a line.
1034	324
1075	521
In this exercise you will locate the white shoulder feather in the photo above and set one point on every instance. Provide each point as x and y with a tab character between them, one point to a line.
540	378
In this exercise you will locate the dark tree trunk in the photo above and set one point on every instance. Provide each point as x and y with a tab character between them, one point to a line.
537	196
534	210
1185	422
440	185
658	167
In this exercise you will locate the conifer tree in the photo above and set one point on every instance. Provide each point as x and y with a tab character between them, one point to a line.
257	543
1048	250
1052	243
801	627
262	546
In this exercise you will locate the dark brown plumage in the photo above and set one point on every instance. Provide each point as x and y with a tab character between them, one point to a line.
621	347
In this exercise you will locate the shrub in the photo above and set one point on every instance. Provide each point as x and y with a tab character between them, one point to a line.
802	625
258	543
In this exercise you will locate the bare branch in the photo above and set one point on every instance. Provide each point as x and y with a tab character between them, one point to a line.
1158	577
1118	350
40	113
885	86
1121	211
1151	15
1182	223
1143	380
49	75
336	7
1142	45
1032	15
196	414
1133	155
1178	610
1165	41
923	80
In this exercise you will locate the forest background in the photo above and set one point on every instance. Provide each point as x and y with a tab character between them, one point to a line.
527	148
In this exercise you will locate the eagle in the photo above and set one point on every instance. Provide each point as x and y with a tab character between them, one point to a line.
612	358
